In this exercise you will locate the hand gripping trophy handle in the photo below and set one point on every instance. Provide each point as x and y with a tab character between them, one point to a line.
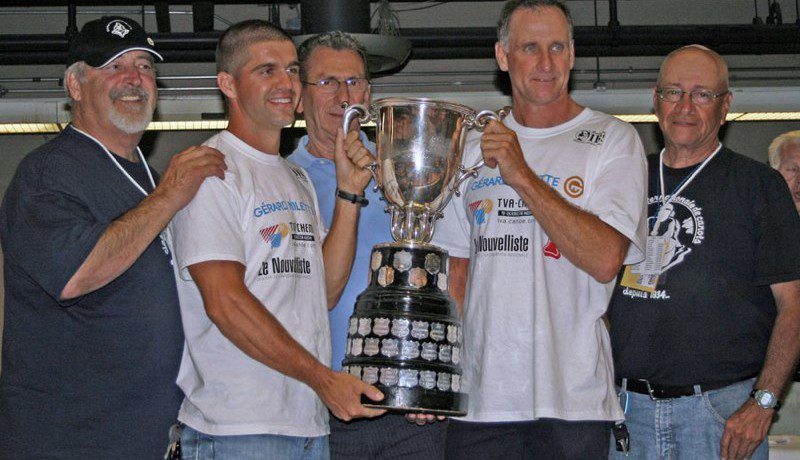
364	116
478	122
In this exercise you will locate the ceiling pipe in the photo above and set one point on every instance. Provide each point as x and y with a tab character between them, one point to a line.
466	43
10	3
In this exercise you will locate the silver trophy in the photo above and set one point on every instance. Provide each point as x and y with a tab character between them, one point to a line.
405	334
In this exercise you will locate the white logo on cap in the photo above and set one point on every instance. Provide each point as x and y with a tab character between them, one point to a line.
118	27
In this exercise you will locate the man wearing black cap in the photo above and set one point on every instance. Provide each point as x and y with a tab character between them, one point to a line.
93	336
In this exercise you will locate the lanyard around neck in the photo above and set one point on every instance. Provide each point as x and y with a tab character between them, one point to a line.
664	201
119	166
686	181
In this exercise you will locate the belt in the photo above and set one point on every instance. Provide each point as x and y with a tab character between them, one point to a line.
656	391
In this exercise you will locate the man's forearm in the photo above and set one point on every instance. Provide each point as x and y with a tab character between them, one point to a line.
122	243
459	267
339	249
243	320
784	343
584	239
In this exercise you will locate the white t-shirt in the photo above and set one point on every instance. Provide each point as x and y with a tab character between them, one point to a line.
535	344
265	216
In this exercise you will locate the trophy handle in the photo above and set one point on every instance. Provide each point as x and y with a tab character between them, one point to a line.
466	173
483	117
355	110
363	114
376	178
478	122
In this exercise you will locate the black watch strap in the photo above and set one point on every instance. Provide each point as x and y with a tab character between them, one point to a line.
352	197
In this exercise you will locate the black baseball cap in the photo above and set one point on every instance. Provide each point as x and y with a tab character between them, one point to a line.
103	40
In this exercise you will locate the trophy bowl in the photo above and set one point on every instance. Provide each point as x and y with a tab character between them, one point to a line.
405	335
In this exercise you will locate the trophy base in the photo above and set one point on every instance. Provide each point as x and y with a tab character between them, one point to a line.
405	336
419	400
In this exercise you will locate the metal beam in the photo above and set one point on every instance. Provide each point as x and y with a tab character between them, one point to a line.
467	43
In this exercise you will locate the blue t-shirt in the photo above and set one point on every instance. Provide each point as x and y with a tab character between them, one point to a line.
374	227
92	377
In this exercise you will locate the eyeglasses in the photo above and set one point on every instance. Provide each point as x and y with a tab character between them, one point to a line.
698	96
332	85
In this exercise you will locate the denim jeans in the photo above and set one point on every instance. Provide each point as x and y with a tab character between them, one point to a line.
682	428
196	446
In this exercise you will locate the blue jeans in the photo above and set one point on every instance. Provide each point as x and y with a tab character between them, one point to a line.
196	446
682	428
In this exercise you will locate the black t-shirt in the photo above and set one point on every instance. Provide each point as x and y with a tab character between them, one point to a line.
92	377
731	233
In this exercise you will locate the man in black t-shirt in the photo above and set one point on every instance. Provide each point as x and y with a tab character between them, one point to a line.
93	335
705	331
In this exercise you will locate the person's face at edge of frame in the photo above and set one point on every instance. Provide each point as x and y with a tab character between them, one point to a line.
266	88
790	169
539	56
685	124
121	94
323	111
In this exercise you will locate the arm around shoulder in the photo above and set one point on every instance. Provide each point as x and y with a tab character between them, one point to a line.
126	238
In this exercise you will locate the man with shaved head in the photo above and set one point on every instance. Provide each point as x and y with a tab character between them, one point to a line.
259	269
705	331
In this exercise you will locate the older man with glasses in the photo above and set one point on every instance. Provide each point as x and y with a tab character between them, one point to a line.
334	73
705	331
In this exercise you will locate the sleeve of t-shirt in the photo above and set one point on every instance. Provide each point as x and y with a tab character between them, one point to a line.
312	192
619	190
777	257
209	227
50	229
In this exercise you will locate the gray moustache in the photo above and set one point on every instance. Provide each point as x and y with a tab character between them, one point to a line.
137	92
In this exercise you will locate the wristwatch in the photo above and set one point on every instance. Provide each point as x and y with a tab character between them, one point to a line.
352	197
765	399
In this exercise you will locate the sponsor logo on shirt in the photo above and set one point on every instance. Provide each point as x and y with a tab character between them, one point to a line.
550	179
281	266
573	186
268	208
508	244
300	232
480	210
513	210
586	136
484	182
550	250
274	234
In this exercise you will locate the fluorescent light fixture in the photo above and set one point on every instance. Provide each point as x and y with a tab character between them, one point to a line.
769	116
189	125
206	112
30	128
649	118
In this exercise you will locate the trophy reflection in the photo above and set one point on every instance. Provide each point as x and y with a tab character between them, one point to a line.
405	336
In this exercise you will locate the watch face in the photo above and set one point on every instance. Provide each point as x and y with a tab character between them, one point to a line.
765	399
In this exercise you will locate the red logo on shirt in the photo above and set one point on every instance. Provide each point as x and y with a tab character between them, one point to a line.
550	250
